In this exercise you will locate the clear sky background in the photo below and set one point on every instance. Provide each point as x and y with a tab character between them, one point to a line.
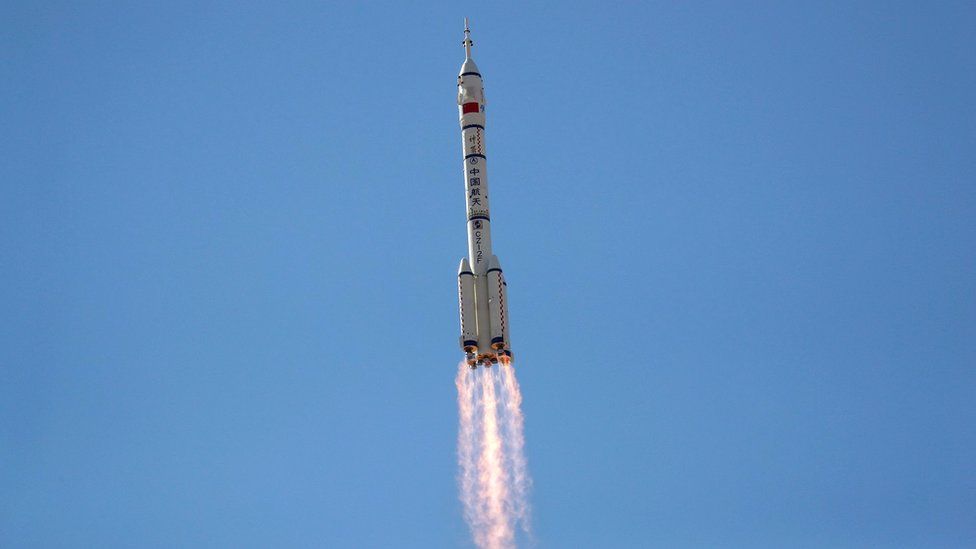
739	239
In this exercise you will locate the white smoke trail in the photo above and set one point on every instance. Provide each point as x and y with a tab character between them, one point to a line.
514	425
492	472
493	486
467	441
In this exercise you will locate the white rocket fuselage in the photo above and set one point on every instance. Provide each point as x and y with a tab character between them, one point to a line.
481	284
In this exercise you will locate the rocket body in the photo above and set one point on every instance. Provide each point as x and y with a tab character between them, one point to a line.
482	289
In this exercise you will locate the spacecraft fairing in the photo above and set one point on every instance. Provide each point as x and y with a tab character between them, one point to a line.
482	291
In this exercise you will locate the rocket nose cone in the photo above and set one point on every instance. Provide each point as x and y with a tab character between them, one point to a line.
469	66
464	267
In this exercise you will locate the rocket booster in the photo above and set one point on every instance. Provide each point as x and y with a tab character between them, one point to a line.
482	291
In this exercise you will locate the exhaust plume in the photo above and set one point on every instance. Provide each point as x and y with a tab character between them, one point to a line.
493	475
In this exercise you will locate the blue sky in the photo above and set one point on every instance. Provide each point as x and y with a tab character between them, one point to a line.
738	237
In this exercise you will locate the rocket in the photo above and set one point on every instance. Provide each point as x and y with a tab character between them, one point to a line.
482	292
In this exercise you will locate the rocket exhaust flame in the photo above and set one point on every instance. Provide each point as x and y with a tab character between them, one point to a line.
493	483
518	466
467	442
492	472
